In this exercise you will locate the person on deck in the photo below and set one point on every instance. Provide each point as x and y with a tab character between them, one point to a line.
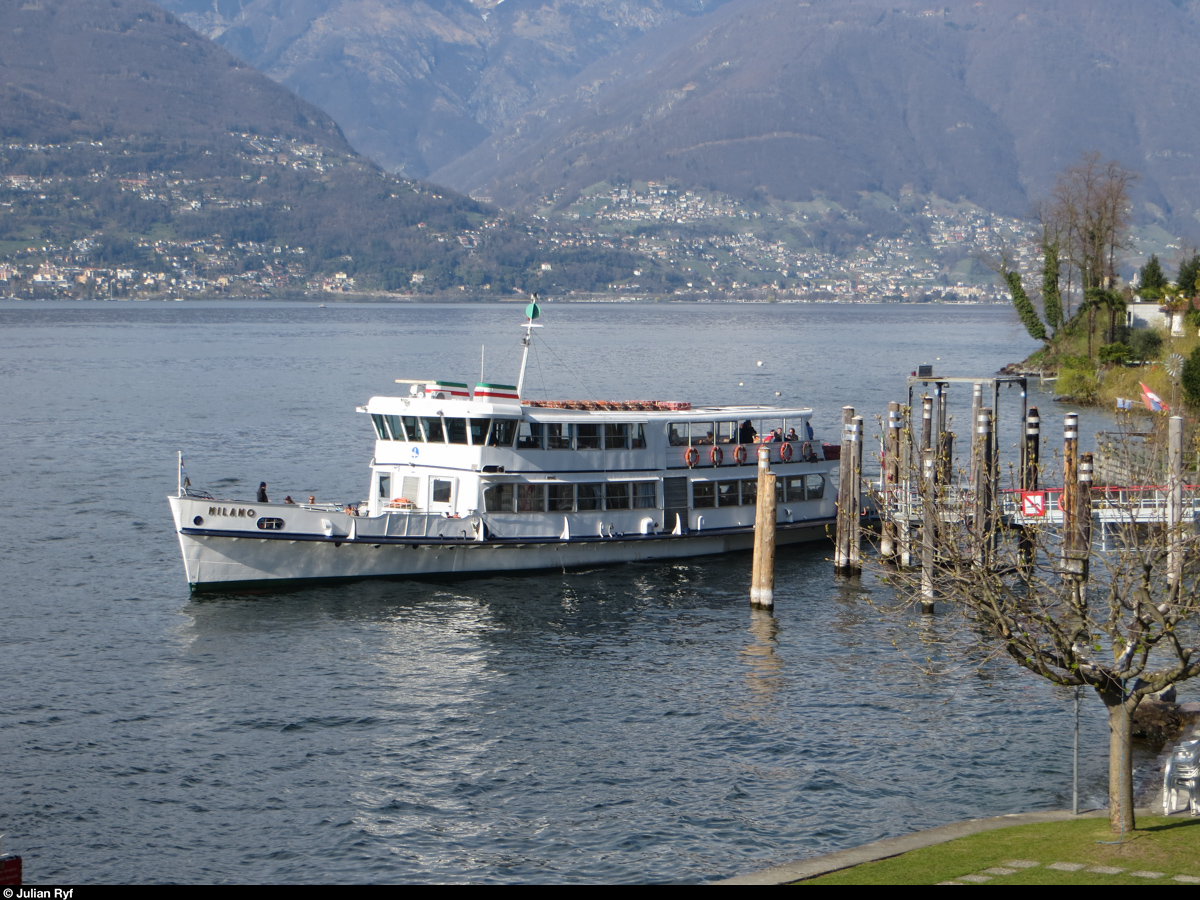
746	433
262	493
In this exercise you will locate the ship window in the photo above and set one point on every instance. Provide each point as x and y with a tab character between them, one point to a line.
412	428
529	436
442	490
616	495
267	524
587	437
395	428
727	493
531	498
385	486
616	437
456	431
433	429
816	486
645	494
590	496
503	432
479	430
749	492
727	432
702	432
377	421
498	498
704	494
795	488
558	436
678	434
637	438
562	497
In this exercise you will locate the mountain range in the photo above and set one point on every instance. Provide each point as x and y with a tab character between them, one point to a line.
978	100
128	139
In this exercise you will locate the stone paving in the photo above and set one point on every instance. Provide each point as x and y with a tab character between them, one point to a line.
1015	865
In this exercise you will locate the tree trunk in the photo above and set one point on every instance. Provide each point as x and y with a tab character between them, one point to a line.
1120	762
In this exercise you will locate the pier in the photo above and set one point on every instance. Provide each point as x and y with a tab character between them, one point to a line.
922	487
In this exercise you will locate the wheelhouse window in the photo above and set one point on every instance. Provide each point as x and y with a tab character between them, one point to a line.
529	436
412	428
503	432
395	428
456	431
433	429
478	429
380	428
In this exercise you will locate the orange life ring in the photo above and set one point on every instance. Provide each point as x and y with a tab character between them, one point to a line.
785	453
716	455
739	454
806	452
691	456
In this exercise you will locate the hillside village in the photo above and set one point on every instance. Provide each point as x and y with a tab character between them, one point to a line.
710	246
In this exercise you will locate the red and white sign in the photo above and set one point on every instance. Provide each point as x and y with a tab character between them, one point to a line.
1033	503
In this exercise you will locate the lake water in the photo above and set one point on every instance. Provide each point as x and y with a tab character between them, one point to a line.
634	723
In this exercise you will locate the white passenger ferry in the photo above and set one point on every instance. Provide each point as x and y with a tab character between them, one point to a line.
483	480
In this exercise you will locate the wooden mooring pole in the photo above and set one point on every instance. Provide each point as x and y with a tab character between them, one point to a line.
928	527
890	476
1029	480
848	545
904	538
1174	500
984	513
762	578
1071	564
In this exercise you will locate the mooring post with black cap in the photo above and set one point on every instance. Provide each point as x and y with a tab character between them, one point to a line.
762	577
926	423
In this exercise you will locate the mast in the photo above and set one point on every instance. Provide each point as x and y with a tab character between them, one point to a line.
532	311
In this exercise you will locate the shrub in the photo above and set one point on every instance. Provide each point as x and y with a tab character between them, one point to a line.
1191	377
1114	353
1078	384
1145	343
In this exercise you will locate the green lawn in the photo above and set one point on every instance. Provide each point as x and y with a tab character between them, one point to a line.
1170	846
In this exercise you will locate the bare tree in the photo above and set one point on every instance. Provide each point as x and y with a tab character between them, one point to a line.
1122	621
1089	215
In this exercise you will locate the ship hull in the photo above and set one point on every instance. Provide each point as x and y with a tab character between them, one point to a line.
217	561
